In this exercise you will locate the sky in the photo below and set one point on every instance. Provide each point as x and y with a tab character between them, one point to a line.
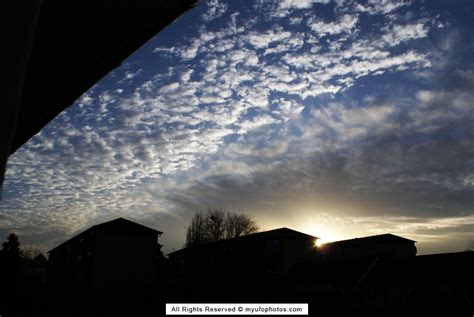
339	119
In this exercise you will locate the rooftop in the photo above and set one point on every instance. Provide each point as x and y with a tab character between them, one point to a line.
387	237
270	234
116	225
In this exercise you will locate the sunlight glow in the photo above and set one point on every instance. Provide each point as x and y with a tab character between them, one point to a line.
318	243
323	232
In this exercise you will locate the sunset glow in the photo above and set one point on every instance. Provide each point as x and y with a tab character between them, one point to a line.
318	243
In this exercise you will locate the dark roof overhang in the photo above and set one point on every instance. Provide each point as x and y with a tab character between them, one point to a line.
57	50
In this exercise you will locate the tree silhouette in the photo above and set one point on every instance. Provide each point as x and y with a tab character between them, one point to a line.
10	258
11	248
470	246
216	224
196	232
31	252
239	225
10	263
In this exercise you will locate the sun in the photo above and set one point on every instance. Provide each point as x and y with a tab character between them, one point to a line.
324	234
318	243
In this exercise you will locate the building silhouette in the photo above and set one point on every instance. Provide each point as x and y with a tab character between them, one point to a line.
115	253
384	245
269	253
117	268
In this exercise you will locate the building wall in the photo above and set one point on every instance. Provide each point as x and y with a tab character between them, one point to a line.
125	260
258	257
382	249
105	259
297	251
73	262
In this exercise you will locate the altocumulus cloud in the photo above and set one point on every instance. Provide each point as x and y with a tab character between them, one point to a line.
289	110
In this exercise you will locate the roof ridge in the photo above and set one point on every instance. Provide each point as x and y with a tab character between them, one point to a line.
104	224
372	237
243	237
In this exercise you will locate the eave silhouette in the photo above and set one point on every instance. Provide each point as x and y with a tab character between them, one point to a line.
57	50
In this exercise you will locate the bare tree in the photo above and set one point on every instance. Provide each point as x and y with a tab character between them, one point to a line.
216	224
239	225
196	232
31	252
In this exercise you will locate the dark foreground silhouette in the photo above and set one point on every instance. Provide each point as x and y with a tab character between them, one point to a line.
117	269
330	288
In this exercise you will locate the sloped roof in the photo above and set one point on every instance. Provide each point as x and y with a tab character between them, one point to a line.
276	233
116	225
387	237
265	235
39	260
